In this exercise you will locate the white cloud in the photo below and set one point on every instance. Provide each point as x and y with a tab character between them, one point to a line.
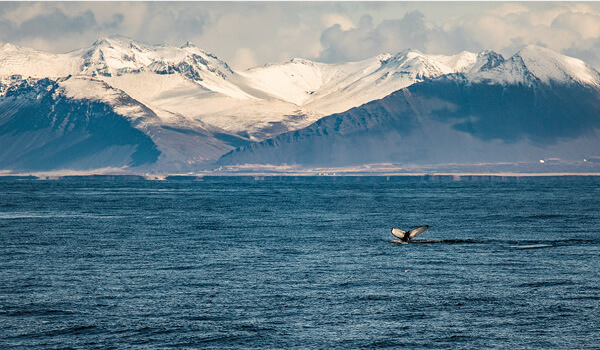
262	32
412	30
570	28
331	19
244	58
509	9
24	12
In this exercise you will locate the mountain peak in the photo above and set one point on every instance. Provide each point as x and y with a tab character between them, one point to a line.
113	39
460	62
8	46
419	65
410	50
533	64
384	57
407	54
548	65
534	49
188	45
101	41
486	60
108	41
302	61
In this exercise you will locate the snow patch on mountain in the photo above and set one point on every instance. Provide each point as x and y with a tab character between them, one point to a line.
118	56
294	81
461	62
534	63
26	62
184	144
332	88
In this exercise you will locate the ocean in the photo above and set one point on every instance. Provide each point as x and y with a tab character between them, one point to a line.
300	263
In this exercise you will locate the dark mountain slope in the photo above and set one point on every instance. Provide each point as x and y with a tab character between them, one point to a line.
447	120
42	129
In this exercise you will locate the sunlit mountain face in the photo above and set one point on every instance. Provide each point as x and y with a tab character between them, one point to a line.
141	107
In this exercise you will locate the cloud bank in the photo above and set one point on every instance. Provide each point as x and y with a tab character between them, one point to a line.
248	34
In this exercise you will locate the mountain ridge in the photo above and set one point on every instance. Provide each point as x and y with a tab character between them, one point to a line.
459	118
195	108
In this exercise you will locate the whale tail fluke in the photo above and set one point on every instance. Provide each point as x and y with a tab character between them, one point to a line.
408	235
399	233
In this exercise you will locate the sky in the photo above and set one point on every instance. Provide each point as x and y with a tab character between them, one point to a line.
248	34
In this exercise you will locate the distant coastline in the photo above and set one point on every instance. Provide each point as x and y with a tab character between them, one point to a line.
425	177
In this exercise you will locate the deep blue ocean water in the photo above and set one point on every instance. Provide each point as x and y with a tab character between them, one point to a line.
302	263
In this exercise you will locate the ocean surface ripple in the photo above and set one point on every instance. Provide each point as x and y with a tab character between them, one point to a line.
299	263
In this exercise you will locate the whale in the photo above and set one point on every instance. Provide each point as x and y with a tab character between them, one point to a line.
406	236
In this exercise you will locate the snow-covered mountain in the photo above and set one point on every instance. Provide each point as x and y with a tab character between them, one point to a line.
537	105
537	64
255	104
333	88
192	107
42	128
